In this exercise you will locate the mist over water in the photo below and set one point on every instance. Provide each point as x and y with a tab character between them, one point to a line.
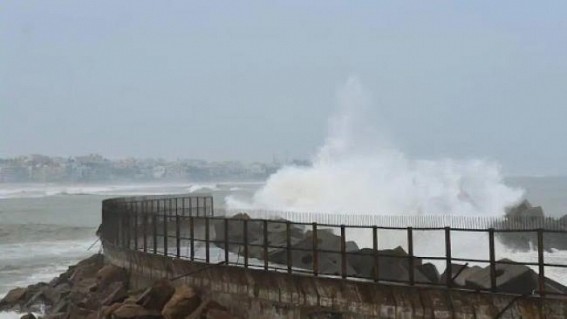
358	171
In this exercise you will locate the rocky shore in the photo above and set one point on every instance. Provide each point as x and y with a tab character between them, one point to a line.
92	289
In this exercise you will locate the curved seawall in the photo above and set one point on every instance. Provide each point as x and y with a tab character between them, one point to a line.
173	238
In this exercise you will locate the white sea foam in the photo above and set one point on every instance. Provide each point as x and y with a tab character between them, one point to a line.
14	315
46	190
202	188
356	171
23	264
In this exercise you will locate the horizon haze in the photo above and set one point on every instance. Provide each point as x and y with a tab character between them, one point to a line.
252	80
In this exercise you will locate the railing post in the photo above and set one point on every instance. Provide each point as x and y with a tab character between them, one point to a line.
212	206
448	258
176	206
226	243
492	254
177	234
343	252
197	207
288	246
376	256
128	227
183	206
135	212
265	230
165	218
541	262
315	250
145	227
207	252
154	233
411	257
245	238
191	206
192	236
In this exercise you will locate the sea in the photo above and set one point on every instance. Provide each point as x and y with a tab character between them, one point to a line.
44	228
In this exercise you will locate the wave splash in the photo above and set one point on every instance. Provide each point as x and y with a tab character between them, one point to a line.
357	171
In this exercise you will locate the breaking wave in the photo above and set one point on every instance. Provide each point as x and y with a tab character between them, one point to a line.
356	171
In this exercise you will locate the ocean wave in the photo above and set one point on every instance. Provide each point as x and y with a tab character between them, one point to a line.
197	188
26	233
48	190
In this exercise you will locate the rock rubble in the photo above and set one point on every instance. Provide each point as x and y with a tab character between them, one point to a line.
92	289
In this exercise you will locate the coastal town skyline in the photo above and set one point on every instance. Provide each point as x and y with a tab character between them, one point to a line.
95	167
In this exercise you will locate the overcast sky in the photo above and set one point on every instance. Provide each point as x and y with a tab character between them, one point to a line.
240	80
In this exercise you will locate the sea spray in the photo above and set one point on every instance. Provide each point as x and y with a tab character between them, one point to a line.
358	171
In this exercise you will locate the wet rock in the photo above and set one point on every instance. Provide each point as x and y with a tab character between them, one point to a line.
76	312
110	274
513	279
28	316
460	274
204	307
302	254
277	235
519	209
183	302
430	272
106	311
118	293
219	314
156	296
13	298
87	269
134	311
393	265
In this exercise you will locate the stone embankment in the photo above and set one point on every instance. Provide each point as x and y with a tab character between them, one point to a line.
92	289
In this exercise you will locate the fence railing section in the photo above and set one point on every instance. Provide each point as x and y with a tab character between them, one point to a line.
186	227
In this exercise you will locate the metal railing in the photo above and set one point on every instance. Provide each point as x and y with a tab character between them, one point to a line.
186	227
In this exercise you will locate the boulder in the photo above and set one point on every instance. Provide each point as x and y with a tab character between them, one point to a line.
460	274
219	314
277	235
183	302
430	272
86	269
134	311
117	293
28	316
236	231
156	296
393	265
106	311
210	309
76	312
109	274
54	294
302	254
512	278
13	298
517	210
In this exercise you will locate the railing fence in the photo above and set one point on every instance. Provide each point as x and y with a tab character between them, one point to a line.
325	244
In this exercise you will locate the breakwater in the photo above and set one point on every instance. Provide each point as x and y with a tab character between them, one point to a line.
235	256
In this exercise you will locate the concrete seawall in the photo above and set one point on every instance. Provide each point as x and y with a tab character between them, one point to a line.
267	294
